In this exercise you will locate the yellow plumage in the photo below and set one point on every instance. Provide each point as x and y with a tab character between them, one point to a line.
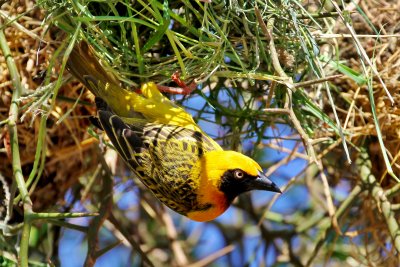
183	167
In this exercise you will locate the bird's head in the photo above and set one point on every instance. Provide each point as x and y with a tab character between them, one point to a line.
223	176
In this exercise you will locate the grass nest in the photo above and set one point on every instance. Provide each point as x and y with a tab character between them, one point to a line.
69	151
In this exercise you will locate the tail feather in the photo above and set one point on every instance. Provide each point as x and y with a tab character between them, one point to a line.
85	66
82	62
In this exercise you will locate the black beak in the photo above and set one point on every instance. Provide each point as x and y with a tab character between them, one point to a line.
263	183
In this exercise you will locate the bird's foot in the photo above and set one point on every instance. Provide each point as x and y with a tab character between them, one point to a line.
182	89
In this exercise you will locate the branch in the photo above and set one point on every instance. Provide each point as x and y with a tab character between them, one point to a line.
104	210
16	160
308	142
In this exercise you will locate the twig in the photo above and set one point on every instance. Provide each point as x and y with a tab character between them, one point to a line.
14	23
267	31
283	161
210	258
343	35
352	104
392	191
286	150
130	240
270	94
176	247
317	81
105	207
320	15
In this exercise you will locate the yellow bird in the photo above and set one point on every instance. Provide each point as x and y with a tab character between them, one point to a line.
180	164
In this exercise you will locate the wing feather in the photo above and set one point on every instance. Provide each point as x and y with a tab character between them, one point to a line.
162	156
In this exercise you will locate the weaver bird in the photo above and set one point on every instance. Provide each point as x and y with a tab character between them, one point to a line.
181	165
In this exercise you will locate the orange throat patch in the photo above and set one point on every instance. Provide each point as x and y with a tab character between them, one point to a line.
219	204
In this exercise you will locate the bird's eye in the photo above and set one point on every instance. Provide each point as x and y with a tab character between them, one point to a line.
238	174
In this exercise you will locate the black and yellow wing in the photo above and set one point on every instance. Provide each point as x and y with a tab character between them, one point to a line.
162	156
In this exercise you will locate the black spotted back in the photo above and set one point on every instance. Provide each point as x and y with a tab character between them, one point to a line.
162	156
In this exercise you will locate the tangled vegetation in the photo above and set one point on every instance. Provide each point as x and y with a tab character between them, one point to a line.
310	89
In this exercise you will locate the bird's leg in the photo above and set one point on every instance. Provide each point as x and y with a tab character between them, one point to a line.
182	89
176	77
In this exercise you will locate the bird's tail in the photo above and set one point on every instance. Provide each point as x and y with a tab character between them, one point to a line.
85	66
151	104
